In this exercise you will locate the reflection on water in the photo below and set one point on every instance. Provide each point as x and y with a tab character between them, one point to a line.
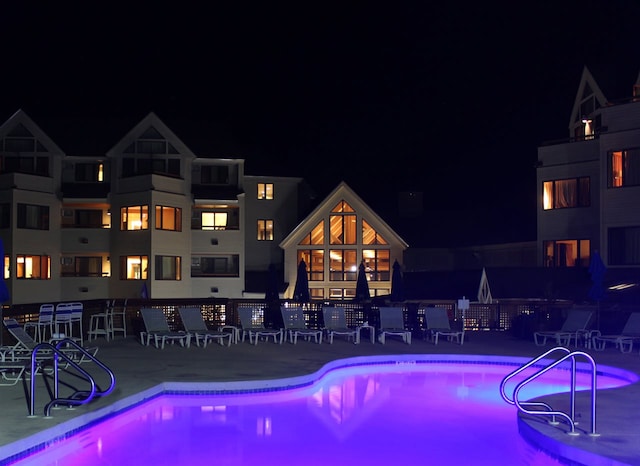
375	414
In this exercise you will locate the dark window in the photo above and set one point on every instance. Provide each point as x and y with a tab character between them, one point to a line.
33	217
624	246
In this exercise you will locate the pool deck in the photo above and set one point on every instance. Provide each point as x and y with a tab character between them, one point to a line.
138	368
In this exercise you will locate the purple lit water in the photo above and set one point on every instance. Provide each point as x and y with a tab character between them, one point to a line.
434	413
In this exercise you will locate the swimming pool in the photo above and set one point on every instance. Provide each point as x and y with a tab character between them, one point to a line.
428	409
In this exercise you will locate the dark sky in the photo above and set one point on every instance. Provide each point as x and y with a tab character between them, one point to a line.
449	98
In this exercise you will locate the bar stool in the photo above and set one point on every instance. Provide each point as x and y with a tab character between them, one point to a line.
118	319
100	323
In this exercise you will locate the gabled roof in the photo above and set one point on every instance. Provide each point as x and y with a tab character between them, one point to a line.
20	124
147	123
588	89
341	192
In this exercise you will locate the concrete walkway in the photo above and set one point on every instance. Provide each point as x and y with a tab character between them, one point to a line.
138	368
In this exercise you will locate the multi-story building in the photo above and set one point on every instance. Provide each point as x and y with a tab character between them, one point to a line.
149	217
589	184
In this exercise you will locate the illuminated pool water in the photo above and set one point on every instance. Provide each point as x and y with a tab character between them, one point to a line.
410	410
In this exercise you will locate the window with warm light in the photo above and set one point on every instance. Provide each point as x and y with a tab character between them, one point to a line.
134	267
33	217
134	218
370	235
7	267
623	168
377	264
168	218
168	268
342	226
265	230
215	217
265	191
89	172
343	265
624	245
315	236
33	267
567	253
314	258
562	194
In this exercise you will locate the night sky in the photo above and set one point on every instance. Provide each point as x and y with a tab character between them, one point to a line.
451	100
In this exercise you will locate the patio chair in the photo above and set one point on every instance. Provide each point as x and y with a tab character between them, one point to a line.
437	324
43	328
25	344
624	340
335	323
295	326
157	328
195	325
251	321
118	318
392	323
574	326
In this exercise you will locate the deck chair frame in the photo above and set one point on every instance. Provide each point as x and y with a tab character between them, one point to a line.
194	324
157	329
254	328
574	326
438	325
622	341
392	324
295	326
335	324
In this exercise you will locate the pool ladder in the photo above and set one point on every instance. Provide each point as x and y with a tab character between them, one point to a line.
79	397
538	408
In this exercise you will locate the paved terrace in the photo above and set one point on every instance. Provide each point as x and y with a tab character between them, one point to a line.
138	368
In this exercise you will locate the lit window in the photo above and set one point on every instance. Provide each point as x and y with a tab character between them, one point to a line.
168	268
265	230
265	191
215	217
315	236
370	235
134	267
343	265
81	266
33	267
134	218
624	168
314	258
7	267
377	264
168	218
567	253
562	194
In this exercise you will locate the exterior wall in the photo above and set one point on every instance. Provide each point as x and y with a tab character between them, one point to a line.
283	209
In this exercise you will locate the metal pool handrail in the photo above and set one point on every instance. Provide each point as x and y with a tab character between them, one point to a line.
80	397
548	410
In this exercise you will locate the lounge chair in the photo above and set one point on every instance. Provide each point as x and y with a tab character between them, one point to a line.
295	326
157	328
392	323
251	321
25	344
43	328
574	326
335	323
624	340
437	324
195	325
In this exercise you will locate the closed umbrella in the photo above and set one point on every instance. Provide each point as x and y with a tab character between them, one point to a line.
4	291
362	286
397	283
597	270
301	290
